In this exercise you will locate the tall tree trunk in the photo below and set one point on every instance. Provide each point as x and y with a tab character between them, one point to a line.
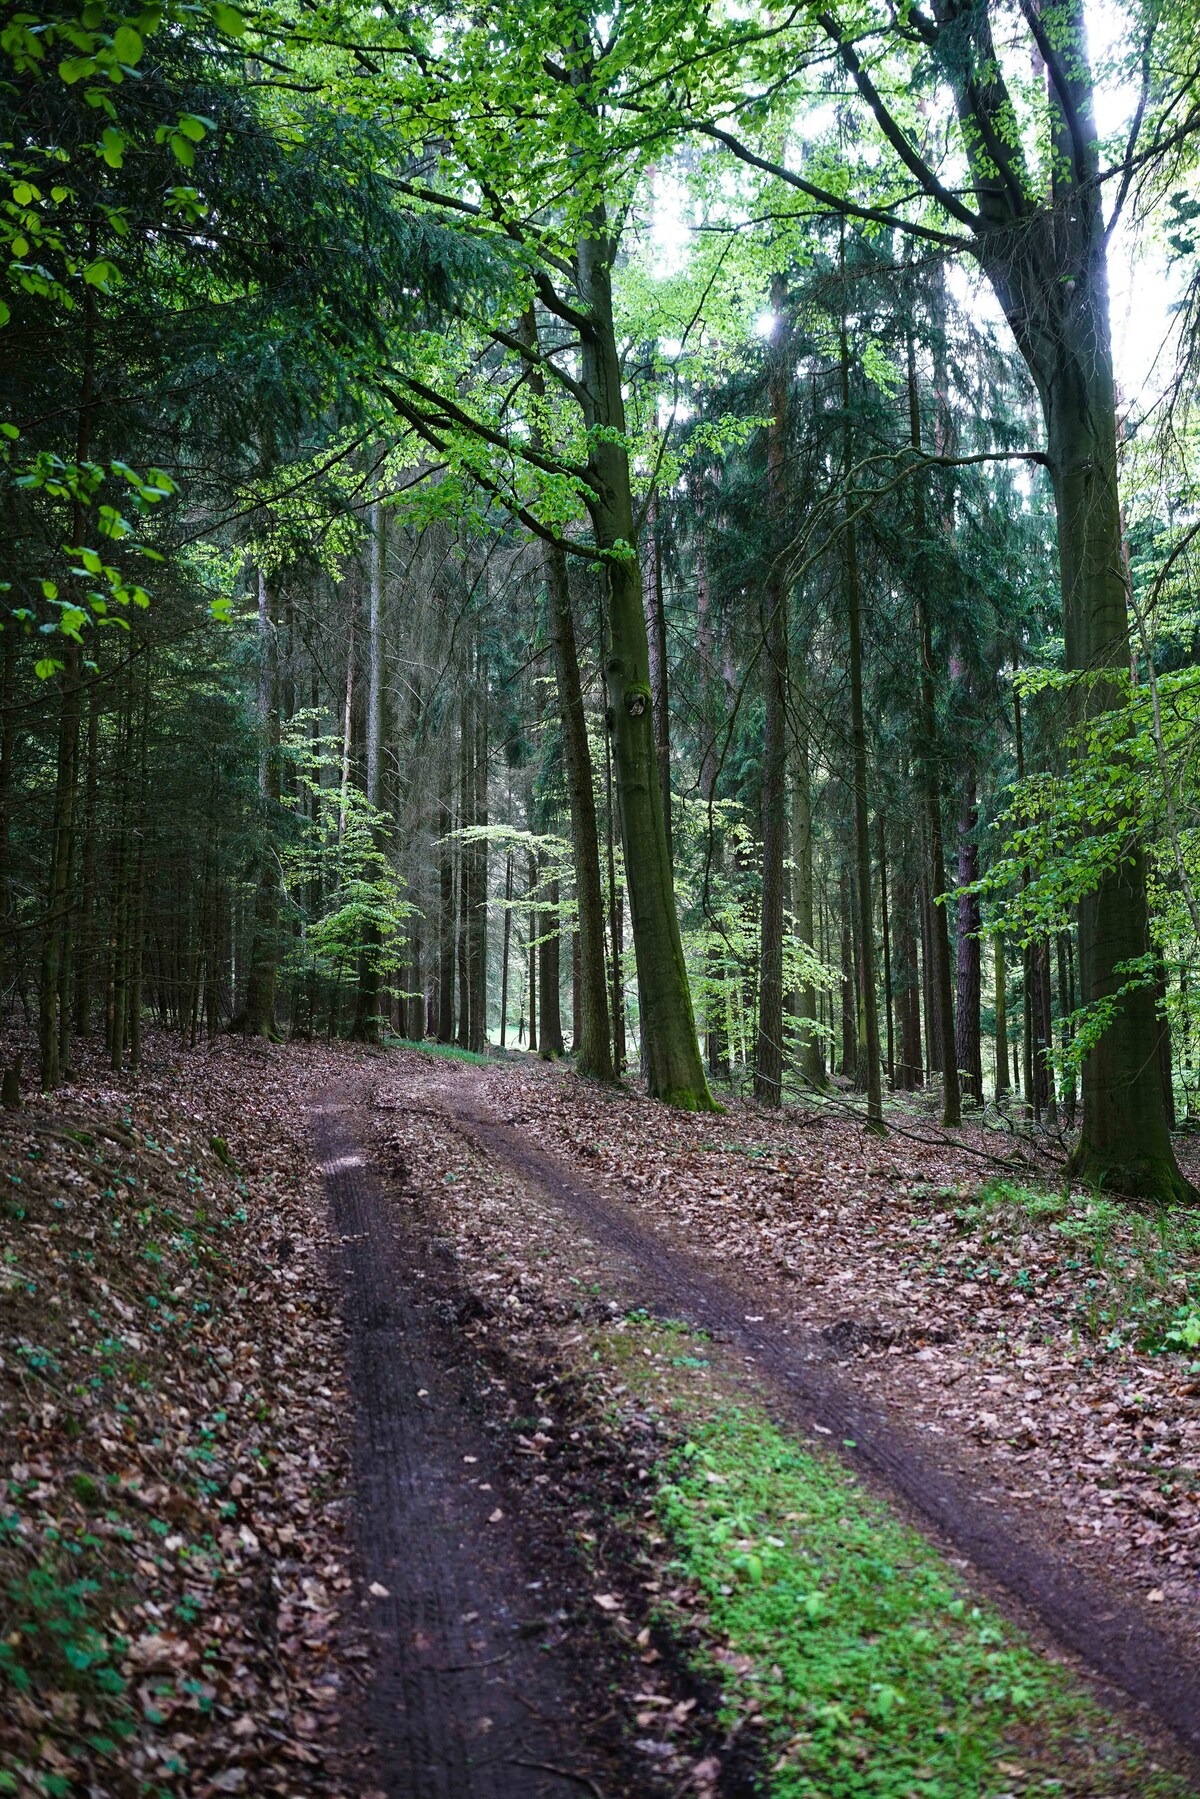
674	1070
505	953
1002	1083
858	734
592	1045
479	864
716	1031
939	930
367	1020
849	1062
1050	272
810	1059
968	1046
85	954
533	954
257	1016
656	633
885	924
768	1054
446	920
53	1030
550	1033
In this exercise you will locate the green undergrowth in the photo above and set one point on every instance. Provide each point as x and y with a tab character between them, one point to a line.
449	1051
839	1635
1144	1263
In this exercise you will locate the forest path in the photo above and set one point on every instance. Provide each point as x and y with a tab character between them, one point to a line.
475	1692
1081	1611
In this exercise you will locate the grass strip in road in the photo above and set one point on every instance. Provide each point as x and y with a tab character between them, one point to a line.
846	1640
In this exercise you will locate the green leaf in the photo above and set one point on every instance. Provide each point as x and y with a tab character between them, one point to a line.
45	667
5	315
185	152
127	45
112	143
23	194
228	19
193	127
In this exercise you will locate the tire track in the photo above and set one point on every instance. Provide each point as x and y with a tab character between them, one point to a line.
1112	1638
473	1695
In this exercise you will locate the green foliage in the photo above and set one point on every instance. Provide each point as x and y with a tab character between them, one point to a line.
54	1641
339	874
875	1672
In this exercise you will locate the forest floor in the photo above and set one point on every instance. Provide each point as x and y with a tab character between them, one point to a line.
397	1424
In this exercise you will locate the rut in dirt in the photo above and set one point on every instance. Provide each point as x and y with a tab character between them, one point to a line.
1085	1616
474	1695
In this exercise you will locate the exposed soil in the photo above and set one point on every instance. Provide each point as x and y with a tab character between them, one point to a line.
493	1677
1104	1623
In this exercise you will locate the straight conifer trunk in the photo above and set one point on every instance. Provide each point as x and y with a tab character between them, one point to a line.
674	1071
858	732
768	1054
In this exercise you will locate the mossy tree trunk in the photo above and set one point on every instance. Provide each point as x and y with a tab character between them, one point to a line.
674	1070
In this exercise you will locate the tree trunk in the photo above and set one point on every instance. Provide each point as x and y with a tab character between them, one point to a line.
505	953
592	1046
1050	272
887	950
858	733
968	1047
257	1016
446	921
768	1054
656	633
550	1034
674	1071
939	930
1001	1020
810	1059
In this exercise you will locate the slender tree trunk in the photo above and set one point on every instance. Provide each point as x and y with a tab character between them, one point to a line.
85	955
446	921
1001	1020
849	1063
550	1034
257	1016
674	1070
768	1055
858	733
968	1047
533	955
810	1061
939	931
504	958
656	633
887	950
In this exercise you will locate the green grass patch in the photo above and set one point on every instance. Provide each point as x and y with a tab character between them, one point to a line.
449	1051
871	1669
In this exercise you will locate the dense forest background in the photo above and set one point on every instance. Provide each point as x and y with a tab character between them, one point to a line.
615	534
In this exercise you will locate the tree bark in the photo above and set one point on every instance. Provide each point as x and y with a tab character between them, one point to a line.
674	1071
768	1054
858	733
968	1046
1002	1083
257	1015
939	931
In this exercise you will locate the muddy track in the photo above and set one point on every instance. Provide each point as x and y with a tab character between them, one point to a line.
1086	1616
475	1693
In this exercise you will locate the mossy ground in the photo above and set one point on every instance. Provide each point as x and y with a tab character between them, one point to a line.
848	1642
